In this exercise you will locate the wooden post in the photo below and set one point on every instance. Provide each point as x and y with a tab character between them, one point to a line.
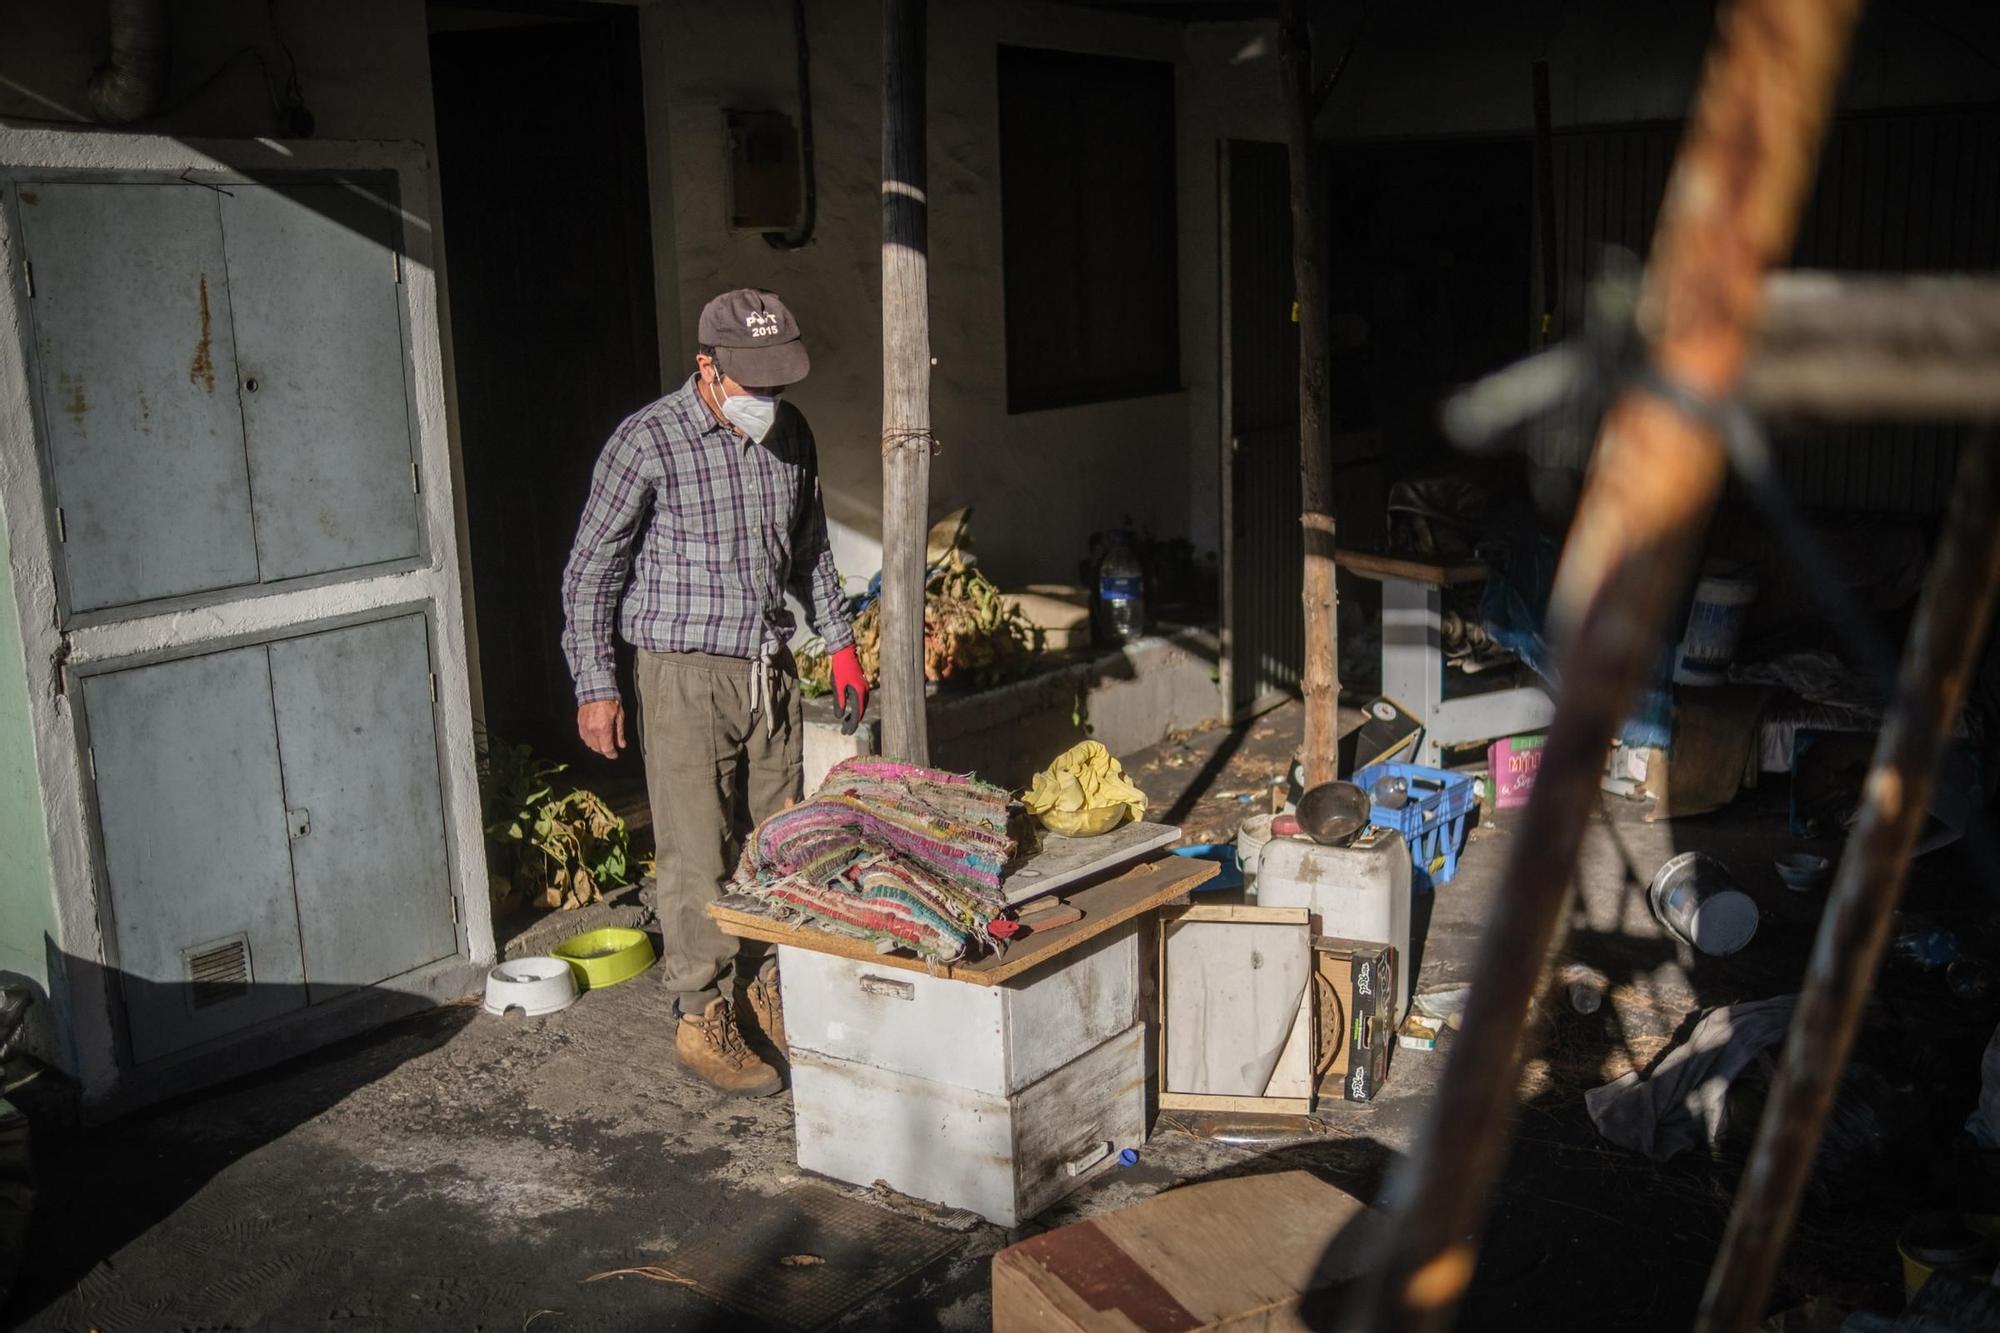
906	381
1320	677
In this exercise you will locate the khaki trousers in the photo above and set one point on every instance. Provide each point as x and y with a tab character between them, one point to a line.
713	771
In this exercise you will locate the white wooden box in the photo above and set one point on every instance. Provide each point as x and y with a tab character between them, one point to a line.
992	1039
1004	1157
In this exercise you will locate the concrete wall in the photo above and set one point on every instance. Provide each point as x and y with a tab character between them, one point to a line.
1041	481
27	912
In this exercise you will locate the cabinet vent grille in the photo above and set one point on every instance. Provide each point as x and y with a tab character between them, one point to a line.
218	972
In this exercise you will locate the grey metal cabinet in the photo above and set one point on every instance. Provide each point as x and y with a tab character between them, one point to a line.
361	776
272	827
136	360
223	377
313	273
192	816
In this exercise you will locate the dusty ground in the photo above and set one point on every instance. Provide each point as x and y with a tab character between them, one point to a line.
461	1171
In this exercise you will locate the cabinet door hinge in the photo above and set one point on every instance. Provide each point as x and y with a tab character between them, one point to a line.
454	907
91	754
416	479
434	687
28	268
398	254
62	530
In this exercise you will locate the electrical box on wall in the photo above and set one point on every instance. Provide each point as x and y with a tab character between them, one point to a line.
764	181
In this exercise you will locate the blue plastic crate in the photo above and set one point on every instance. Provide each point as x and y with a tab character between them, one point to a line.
1433	823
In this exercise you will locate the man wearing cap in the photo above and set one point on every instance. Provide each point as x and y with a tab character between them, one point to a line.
704	511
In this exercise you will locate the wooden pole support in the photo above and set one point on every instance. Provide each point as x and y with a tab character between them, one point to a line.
1320	676
906	381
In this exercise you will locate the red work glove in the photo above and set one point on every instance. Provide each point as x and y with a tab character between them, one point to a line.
850	689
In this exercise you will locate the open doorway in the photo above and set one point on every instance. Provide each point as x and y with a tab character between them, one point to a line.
541	150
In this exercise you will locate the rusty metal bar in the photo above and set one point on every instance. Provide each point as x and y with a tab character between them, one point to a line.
1945	644
1730	213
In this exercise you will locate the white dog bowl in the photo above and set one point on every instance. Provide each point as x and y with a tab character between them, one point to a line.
531	986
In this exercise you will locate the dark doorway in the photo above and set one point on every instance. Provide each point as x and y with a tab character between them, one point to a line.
1428	269
1261	383
1431	246
541	146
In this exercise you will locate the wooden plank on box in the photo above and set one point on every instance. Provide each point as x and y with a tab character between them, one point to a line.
1063	862
1139	890
1240	1253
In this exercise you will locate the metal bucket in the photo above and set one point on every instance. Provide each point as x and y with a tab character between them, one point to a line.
1696	897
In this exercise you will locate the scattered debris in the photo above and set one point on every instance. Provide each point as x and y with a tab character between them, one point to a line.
1685	1102
651	1272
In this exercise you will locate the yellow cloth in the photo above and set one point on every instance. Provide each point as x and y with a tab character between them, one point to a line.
1084	792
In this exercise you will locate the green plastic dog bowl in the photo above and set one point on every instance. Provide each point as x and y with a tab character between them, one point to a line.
606	957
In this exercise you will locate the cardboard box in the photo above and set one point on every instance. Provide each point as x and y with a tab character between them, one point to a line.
1361	976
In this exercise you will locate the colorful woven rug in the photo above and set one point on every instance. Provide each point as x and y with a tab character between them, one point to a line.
887	851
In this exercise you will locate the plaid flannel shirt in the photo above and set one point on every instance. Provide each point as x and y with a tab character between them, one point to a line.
690	539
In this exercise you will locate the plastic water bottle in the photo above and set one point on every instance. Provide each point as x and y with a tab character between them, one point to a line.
1121	595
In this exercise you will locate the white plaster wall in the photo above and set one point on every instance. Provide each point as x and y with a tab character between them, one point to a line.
1040	482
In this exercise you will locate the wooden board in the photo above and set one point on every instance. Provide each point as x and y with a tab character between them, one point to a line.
1375	565
1236	1253
1235	986
1139	890
1063	862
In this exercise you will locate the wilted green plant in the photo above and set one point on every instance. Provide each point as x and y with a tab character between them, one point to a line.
559	850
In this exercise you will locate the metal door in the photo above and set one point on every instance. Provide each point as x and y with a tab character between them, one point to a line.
356	729
138	385
313	281
1266	546
192	820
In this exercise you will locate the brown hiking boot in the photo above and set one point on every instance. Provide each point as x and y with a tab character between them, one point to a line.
767	1011
710	1047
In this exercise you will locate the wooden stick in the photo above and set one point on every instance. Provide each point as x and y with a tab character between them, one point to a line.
1319	680
906	381
1731	212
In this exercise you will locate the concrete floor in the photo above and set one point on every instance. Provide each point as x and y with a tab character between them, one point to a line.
462	1171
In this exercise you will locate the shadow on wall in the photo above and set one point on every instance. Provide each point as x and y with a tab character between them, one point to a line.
163	1156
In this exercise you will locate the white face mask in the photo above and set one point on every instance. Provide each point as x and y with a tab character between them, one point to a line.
754	414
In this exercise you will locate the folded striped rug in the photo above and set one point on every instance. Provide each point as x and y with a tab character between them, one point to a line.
887	851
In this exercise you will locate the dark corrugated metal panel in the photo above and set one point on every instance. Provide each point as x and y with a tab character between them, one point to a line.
1268	630
1896	192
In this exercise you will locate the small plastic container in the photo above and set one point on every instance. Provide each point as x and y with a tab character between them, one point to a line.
530	986
606	956
1432	821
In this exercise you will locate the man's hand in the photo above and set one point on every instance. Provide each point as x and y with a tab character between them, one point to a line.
850	689
602	726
